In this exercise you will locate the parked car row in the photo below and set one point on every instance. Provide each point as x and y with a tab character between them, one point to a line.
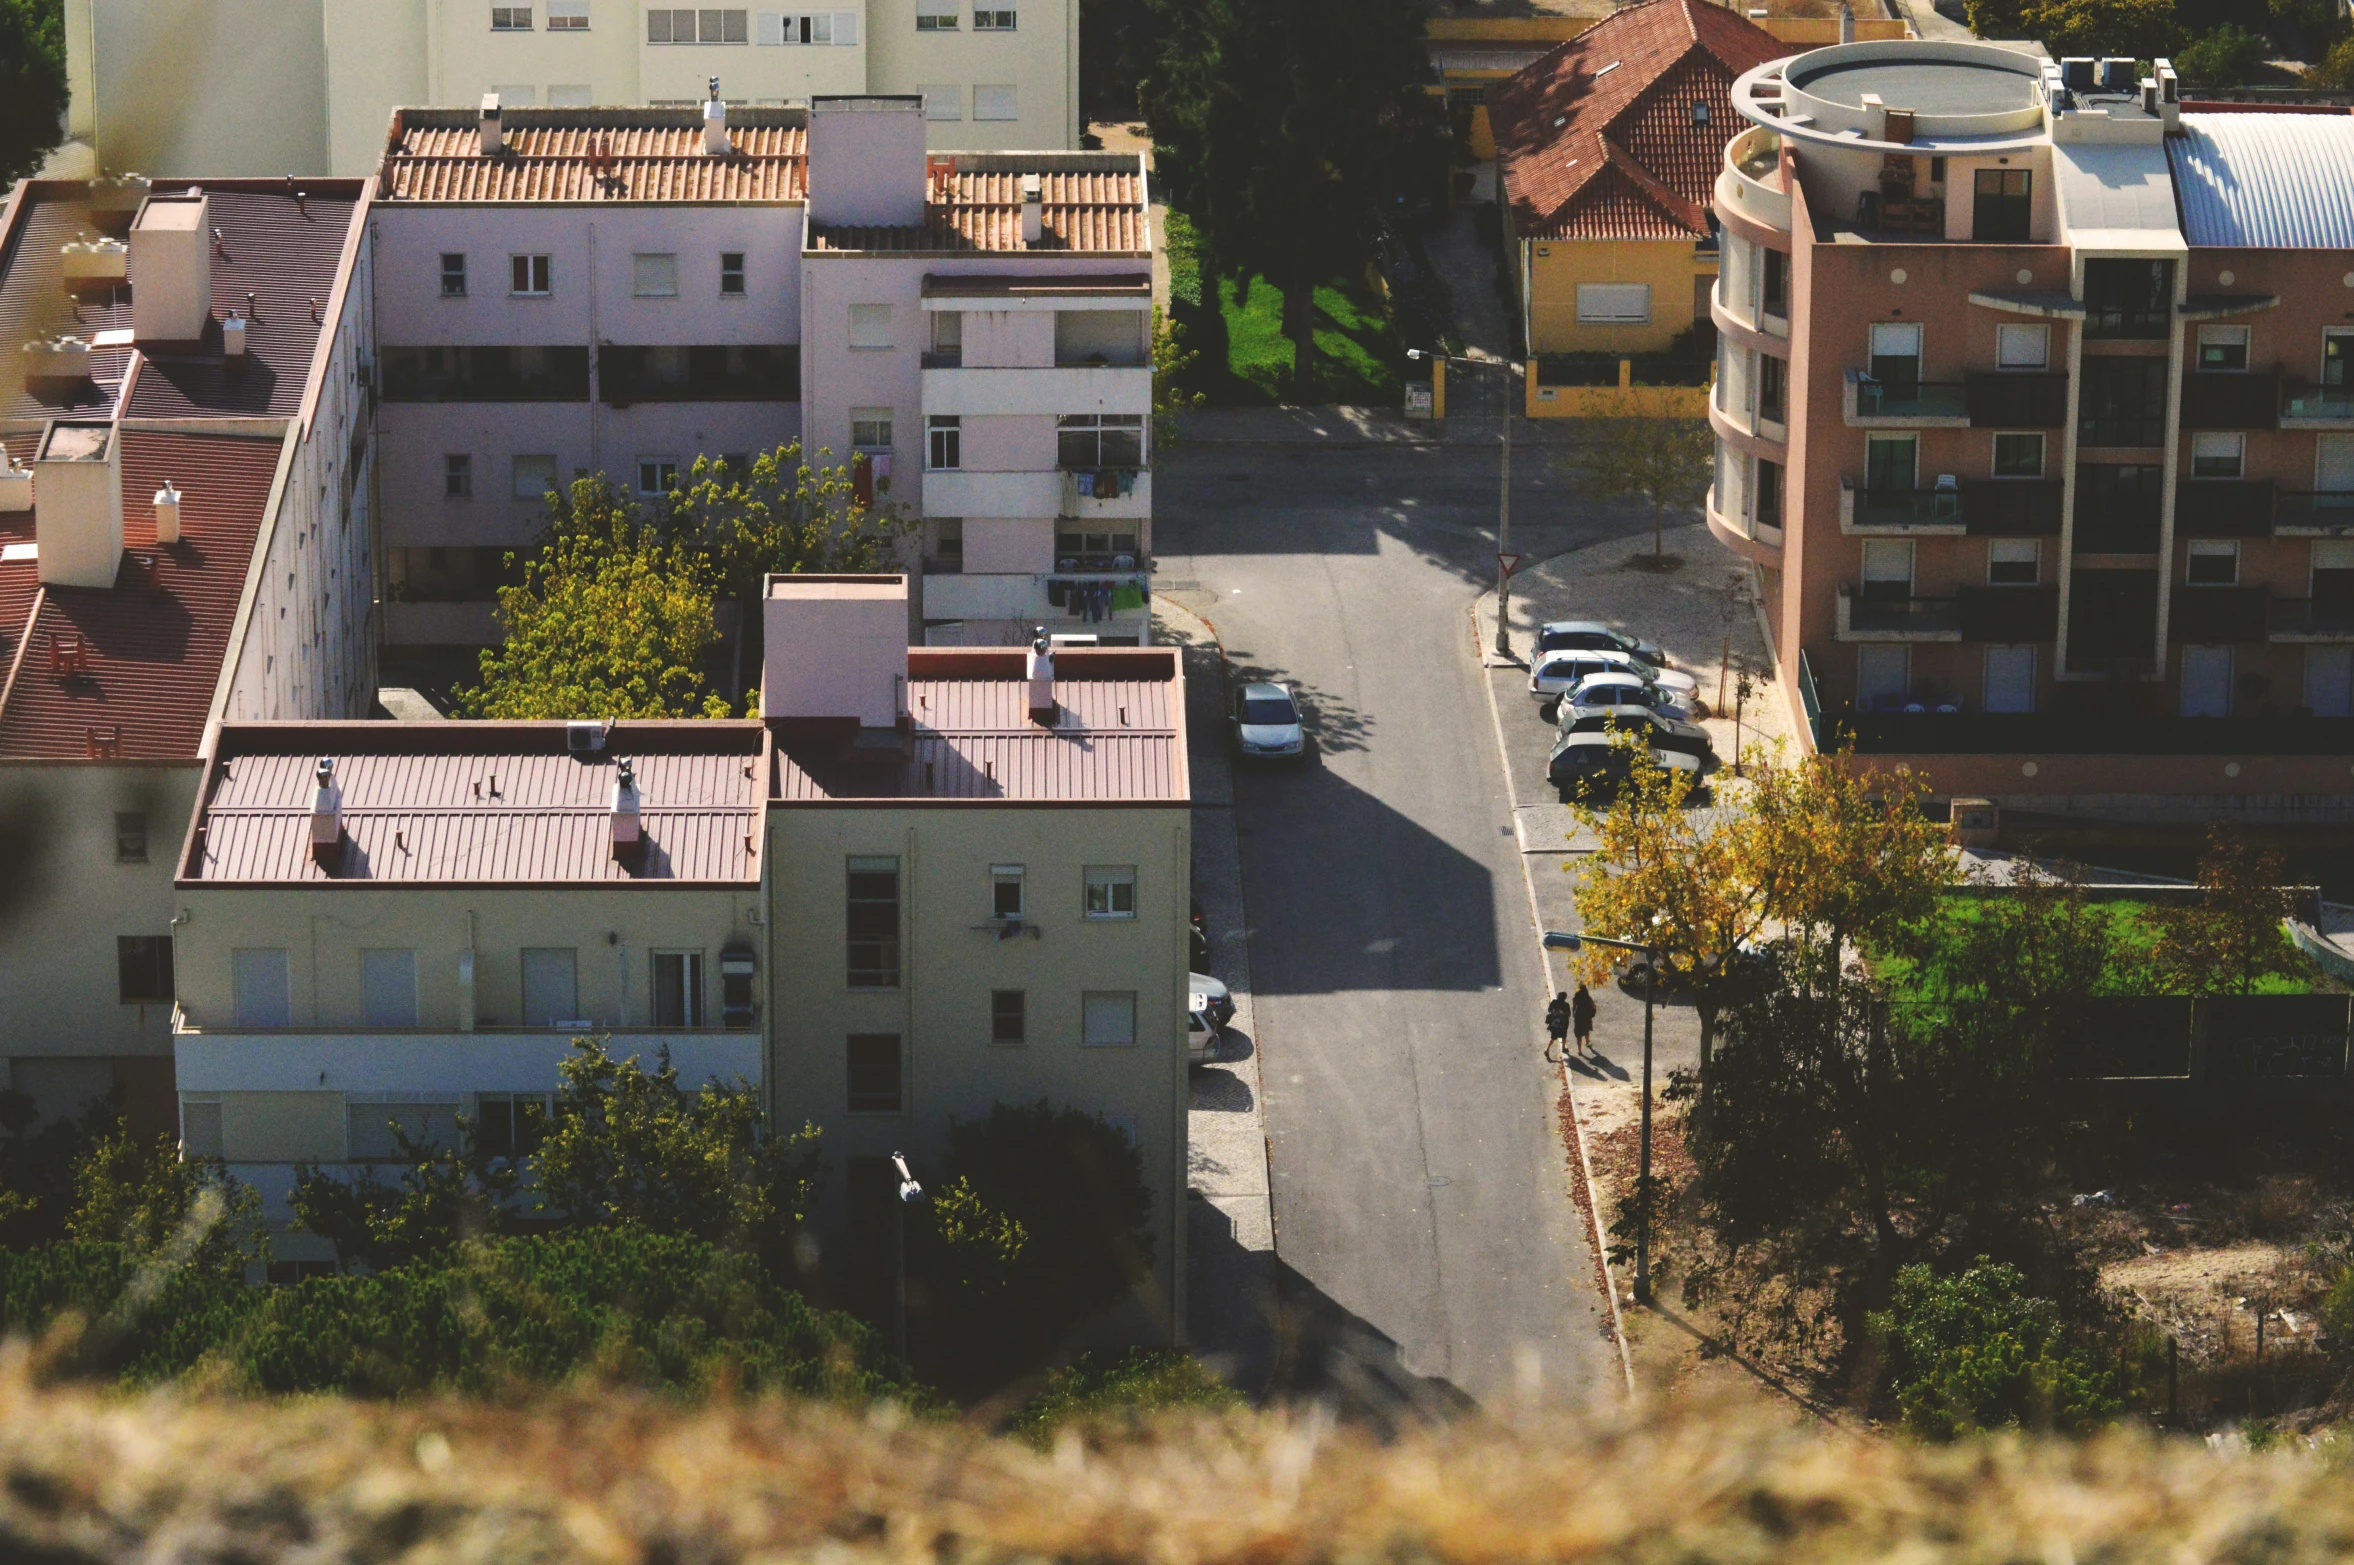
1595	683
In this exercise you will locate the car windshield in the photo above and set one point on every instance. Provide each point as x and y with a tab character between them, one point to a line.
1269	712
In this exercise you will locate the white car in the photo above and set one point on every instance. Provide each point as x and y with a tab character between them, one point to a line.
1201	1031
1588	635
1619	695
1266	722
1587	756
1556	674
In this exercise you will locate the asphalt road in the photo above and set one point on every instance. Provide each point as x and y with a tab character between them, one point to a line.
1427	1244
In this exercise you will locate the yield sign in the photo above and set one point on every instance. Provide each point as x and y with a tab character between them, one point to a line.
1510	562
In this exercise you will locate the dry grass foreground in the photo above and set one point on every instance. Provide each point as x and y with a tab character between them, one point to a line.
86	1478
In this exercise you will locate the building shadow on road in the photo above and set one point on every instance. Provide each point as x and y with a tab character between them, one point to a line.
1325	1353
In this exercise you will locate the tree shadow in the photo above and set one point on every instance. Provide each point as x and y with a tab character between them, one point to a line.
1221	1092
1332	724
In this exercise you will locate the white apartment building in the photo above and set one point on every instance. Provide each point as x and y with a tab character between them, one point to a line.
269	87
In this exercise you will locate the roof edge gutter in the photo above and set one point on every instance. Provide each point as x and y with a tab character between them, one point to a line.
256	573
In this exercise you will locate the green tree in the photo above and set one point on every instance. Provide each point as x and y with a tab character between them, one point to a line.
2334	72
2033	950
784	515
142	1195
1975	1351
443	1195
2144	29
1120	1398
2231	938
2225	57
33	91
1285	131
38	1162
1857	861
611	621
1172	364
1627	454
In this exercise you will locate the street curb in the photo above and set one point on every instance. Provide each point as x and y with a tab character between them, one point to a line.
1593	1204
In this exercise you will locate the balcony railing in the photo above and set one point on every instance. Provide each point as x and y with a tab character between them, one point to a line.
2313	513
2310	619
2218	615
1913	511
2017	399
2080	733
1870	402
2317	405
944	359
2223	508
2009	615
471	374
1867	616
2225	400
2012	507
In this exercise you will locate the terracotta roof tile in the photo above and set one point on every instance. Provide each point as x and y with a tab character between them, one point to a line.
596	155
1597	139
1097	212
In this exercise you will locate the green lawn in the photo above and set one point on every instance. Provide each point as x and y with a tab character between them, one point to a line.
1235	324
2135	934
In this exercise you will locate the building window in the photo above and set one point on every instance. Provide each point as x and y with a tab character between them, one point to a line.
200	1125
870	326
653	276
2329	681
1890	463
1085	442
510	18
2010	679
457	476
1888	569
2206	681
378	1124
826	27
2218	453
534	477
2018	456
944	442
1699	112
566	16
2214	562
995	103
947	552
1614	304
2128	299
1462	100
876	1073
2013	562
943	103
258	991
1000	20
511	1124
143	968
870	429
1009	1015
2022	347
1005	891
1773	282
551	986
1883	677
2223	348
130	837
453	275
1896	358
678	988
874	923
2337	351
657	475
1772	378
698	26
1108	1019
1111	890
935	16
731	274
531	277
388	988
2123	402
1768	498
2001	208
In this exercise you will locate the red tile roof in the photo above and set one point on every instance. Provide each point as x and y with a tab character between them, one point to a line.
598	155
1095	212
483	803
155	641
1118	736
1596	140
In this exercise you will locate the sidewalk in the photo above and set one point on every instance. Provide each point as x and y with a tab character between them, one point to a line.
1230	1233
1330	425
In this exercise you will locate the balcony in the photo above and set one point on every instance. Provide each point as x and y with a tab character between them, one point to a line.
2009	616
2085	733
1908	513
1877	618
1010	496
1087	496
1750	183
2316	407
2217	616
2016	399
1033	598
1751	539
2012	507
1870	404
1097	389
2313	514
2224	400
489	1059
470	374
628	375
2223	508
2310	620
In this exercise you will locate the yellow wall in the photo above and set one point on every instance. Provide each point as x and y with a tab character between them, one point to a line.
1557	266
1505	29
1815	31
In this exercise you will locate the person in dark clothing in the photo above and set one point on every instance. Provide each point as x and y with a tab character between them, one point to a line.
1557	1026
1581	1014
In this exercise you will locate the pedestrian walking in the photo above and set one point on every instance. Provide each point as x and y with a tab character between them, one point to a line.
1581	1012
1557	1027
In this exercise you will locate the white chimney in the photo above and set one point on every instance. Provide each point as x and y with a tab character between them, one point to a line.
326	812
1038	669
167	514
16	486
715	142
628	832
1033	209
836	647
494	136
172	268
233	335
57	358
2169	94
78	475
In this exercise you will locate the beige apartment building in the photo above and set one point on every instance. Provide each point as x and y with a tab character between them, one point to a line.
269	87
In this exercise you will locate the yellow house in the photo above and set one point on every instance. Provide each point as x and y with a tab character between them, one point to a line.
1607	149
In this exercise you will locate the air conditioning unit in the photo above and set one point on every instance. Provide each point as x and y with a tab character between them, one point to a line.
584	738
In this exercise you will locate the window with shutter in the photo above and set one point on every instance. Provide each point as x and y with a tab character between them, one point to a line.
996	103
1604	304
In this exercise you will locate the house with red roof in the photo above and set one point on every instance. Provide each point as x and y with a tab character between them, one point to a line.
1607	151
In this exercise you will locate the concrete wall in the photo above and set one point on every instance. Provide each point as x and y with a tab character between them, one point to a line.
950	966
1039	60
1557	266
203	87
376	60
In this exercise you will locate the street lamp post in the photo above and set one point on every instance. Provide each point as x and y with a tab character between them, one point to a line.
1503	491
909	1193
1559	940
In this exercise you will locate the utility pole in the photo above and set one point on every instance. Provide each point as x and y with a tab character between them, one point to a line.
1504	519
1557	940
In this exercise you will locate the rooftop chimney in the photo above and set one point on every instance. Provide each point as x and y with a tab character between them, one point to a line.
326	815
172	268
1033	209
167	514
866	162
628	831
2169	94
77	472
1038	668
233	336
836	647
715	142
493	134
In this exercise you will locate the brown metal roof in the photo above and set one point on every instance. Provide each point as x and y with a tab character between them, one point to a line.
1095	212
1118	736
150	647
482	803
596	155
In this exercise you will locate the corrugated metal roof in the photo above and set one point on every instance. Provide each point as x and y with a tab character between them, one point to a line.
155	640
2266	181
1095	212
599	156
482	803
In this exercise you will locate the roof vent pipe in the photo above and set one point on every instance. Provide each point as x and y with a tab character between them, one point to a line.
715	142
494	135
628	834
1039	667
326	814
1033	209
167	514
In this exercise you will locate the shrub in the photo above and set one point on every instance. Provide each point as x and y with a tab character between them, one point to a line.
1973	1351
2226	57
1122	1397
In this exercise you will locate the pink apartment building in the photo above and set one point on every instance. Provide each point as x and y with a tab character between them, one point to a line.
2032	413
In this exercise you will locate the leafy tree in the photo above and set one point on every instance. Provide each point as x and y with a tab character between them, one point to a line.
2231	938
2225	57
1120	1397
144	1196
1172	362
33	90
38	1163
2144	29
1974	1351
2334	72
1856	859
2034	950
444	1194
1285	131
611	621
1115	43
785	515
1667	463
